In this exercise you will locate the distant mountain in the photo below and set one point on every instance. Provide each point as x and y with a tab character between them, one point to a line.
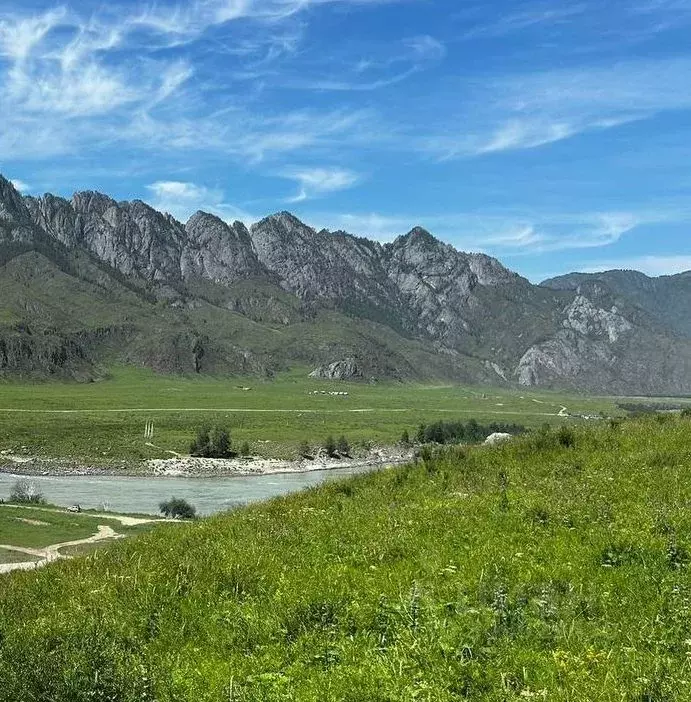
666	299
90	281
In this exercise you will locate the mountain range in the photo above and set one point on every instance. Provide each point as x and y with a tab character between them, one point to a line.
89	281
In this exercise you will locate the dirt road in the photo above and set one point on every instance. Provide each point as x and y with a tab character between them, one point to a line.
52	552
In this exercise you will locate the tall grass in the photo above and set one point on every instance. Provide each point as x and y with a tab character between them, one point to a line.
552	567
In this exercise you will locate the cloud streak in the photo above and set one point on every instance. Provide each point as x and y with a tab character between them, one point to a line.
533	110
182	199
318	181
509	233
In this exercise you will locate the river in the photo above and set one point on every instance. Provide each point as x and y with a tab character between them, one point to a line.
133	494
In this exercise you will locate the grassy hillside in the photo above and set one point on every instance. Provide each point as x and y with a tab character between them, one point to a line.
104	421
555	567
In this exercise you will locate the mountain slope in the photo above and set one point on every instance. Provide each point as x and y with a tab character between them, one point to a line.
666	299
89	280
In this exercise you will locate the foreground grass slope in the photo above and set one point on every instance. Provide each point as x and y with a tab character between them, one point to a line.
554	567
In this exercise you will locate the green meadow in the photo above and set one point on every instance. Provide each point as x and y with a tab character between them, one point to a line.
554	567
36	527
104	422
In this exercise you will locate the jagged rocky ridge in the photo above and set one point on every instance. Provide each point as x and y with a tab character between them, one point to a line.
90	280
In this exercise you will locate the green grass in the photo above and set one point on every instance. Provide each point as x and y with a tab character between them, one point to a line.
553	567
38	528
84	549
274	416
8	556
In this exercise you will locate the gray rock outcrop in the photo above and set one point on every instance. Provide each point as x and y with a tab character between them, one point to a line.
346	369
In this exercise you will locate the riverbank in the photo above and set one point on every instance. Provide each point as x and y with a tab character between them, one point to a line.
187	466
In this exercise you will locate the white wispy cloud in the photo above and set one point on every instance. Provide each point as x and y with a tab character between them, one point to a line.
512	233
20	185
319	181
382	66
537	15
182	199
19	36
533	110
73	82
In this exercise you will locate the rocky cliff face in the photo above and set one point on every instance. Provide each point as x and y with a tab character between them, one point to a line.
666	299
215	251
415	306
16	224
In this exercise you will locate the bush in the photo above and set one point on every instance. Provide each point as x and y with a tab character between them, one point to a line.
177	508
442	432
330	446
220	443
201	446
686	412
405	438
304	450
245	449
212	444
26	492
566	437
342	446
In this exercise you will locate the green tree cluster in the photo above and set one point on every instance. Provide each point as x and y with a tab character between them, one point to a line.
442	432
214	443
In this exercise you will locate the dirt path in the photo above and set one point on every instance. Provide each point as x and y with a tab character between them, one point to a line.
268	411
124	519
52	552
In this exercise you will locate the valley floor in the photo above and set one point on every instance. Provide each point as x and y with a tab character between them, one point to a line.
101	427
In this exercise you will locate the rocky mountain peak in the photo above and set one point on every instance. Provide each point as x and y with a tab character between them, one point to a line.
218	251
92	202
417	238
489	271
15	219
284	225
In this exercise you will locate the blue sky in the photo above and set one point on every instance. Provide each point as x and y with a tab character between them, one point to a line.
553	135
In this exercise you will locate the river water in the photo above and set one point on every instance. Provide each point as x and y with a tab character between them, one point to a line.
132	494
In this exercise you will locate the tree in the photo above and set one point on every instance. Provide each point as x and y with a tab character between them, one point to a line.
342	446
212	444
220	443
420	436
26	492
201	446
177	508
330	446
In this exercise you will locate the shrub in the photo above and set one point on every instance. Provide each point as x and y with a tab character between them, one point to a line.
342	446
212	444
566	437
220	443
452	432
304	450
686	412
405	438
26	492
245	449
330	446
201	446
177	508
